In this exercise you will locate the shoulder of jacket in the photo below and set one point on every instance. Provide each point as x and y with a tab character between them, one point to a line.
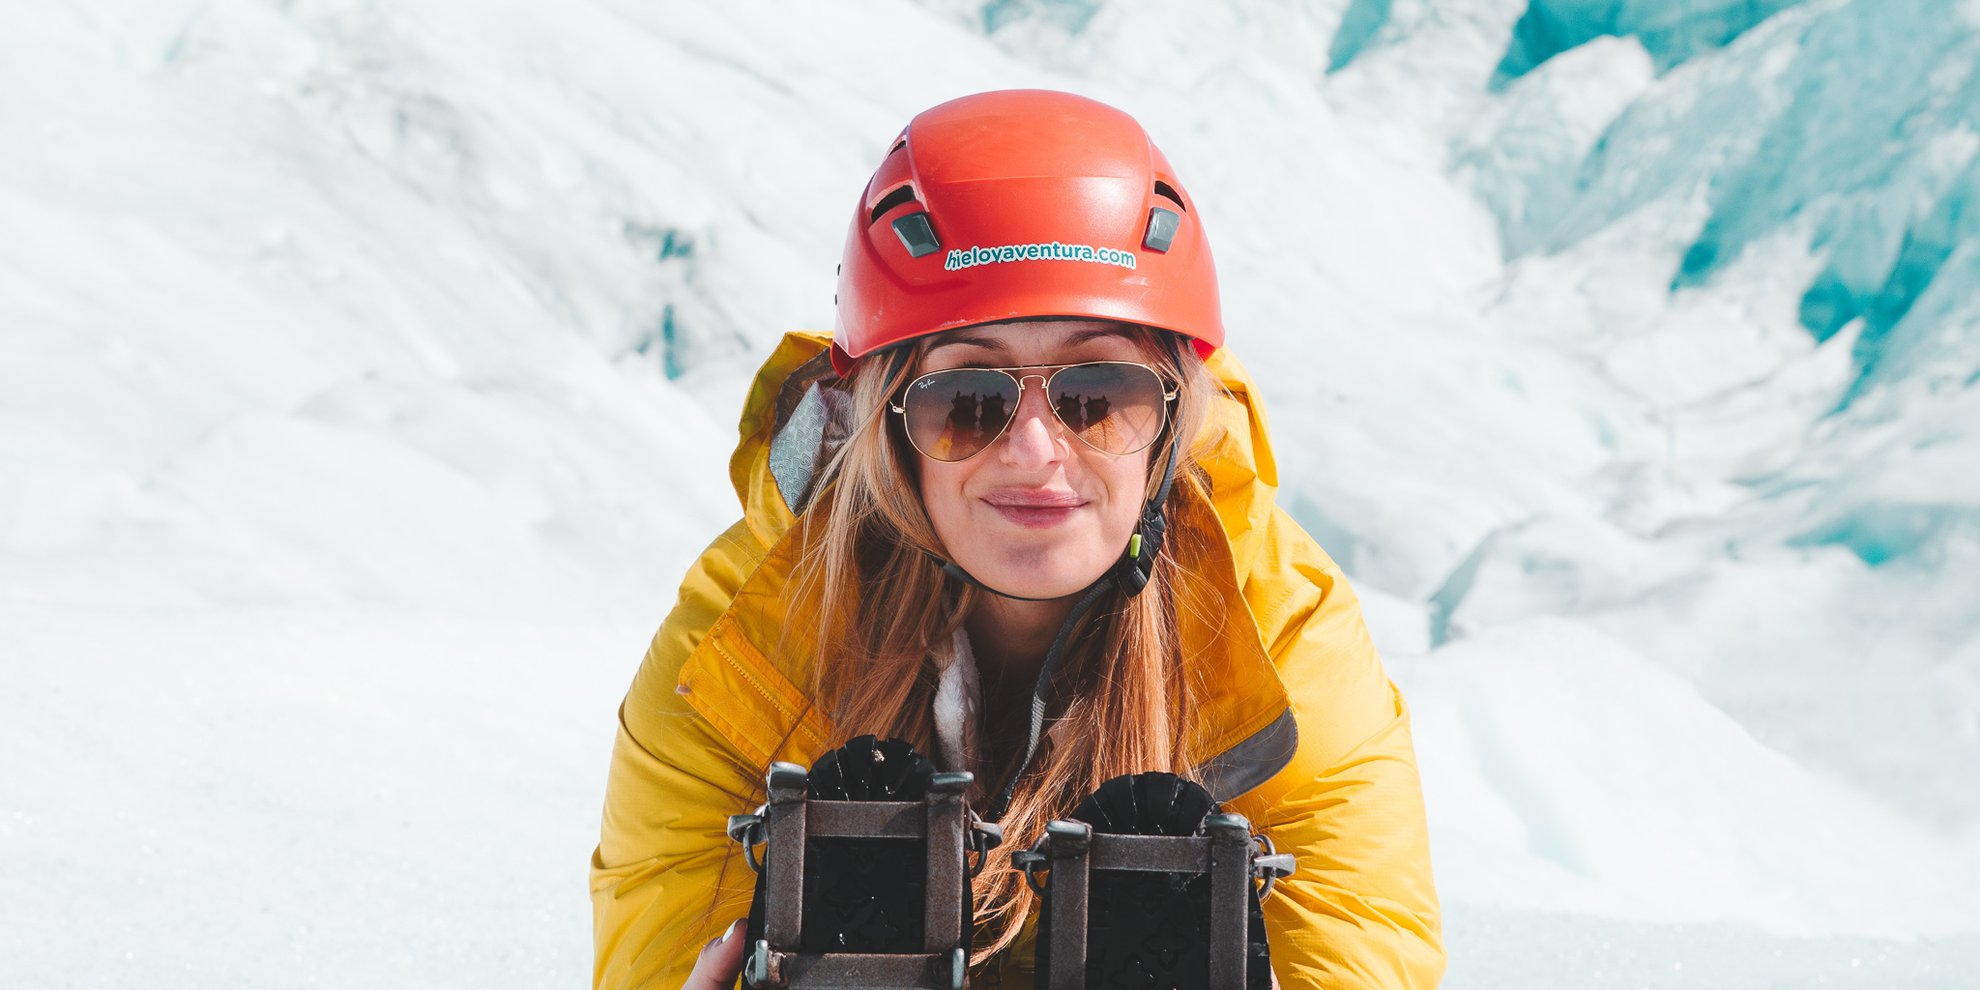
707	591
1310	618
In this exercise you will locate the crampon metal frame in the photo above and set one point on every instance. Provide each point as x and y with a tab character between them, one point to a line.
789	818
1071	851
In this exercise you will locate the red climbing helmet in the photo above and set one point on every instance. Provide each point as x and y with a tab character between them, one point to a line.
1022	203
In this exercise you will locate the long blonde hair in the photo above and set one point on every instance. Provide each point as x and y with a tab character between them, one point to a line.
1124	694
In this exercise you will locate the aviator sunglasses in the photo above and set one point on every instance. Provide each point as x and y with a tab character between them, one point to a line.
1116	407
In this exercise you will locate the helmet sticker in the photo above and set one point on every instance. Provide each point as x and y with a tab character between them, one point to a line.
970	257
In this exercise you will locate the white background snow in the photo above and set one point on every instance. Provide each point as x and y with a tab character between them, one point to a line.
368	374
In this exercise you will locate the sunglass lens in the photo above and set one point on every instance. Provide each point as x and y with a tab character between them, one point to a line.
951	415
1114	407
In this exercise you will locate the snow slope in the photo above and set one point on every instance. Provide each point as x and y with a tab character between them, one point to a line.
367	378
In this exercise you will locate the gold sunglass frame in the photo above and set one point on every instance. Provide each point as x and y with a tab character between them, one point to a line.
1168	388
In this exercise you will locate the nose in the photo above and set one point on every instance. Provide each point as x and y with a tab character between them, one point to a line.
1035	439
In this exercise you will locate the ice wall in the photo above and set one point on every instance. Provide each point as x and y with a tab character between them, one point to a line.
1673	31
1817	174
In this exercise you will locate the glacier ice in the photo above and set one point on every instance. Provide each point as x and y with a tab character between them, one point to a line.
1359	25
1673	31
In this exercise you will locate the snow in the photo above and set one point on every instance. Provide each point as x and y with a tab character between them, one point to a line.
1561	749
274	796
368	376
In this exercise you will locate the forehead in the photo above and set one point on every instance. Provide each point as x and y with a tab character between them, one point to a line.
1039	342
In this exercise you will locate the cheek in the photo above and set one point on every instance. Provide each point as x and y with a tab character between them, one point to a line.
1127	486
941	490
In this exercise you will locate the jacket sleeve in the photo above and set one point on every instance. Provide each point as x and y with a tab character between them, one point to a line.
664	879
1361	911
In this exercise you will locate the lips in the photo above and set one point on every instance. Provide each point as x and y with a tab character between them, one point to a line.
1034	508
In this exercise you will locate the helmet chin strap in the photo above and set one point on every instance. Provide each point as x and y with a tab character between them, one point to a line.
954	570
1137	565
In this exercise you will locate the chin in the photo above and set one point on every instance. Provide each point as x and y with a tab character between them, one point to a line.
1039	579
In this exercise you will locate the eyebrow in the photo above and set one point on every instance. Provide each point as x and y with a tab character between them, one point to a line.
991	343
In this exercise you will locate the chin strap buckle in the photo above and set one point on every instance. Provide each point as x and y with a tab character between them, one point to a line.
1137	566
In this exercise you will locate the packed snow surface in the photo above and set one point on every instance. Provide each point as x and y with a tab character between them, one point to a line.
368	375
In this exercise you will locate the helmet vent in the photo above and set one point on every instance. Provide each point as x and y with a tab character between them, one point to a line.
1168	191
916	235
903	194
1162	227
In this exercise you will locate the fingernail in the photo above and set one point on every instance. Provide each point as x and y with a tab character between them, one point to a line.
734	927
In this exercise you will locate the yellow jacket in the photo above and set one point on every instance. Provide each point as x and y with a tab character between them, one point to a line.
1313	738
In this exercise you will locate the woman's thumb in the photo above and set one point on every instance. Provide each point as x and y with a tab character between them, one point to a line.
719	962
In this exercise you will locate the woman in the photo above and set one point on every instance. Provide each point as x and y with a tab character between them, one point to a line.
1018	511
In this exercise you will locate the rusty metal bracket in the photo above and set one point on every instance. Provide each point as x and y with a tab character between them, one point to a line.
789	819
1226	852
